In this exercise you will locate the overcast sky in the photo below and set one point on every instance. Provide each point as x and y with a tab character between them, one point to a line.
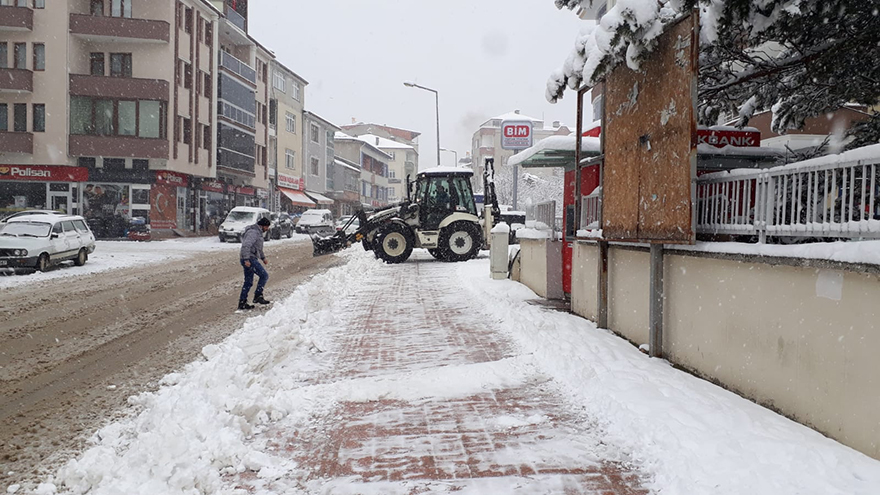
485	58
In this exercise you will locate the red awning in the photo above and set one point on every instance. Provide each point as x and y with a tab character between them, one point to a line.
297	197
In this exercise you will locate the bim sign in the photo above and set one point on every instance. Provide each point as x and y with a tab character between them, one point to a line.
516	135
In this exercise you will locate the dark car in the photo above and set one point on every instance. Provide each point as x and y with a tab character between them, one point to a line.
282	225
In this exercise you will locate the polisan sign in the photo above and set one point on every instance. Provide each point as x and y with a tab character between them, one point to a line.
44	173
516	134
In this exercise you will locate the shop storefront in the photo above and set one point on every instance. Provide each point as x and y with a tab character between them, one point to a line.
28	187
293	196
171	201
246	196
216	198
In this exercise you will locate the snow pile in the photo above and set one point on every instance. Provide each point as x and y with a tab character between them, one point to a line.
196	428
501	228
694	437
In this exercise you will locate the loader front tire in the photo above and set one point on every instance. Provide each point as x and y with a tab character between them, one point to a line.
460	241
394	243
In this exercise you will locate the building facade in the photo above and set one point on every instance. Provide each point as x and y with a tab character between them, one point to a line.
346	183
399	166
109	120
319	146
373	165
403	136
287	129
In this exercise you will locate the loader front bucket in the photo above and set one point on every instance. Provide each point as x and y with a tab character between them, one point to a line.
329	244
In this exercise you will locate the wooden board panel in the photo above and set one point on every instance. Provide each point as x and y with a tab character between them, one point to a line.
650	143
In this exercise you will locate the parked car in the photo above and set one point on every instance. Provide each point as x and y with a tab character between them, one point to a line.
316	222
281	226
355	224
43	240
30	212
238	219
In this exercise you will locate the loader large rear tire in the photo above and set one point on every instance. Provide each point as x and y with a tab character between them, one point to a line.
460	241
394	243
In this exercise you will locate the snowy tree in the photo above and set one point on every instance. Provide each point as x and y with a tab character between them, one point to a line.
798	58
532	189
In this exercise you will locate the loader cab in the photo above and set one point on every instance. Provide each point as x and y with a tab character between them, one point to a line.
441	192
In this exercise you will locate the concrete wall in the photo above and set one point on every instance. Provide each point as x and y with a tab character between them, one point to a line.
541	261
793	335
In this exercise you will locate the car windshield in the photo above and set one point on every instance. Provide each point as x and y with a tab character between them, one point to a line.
308	217
241	216
26	229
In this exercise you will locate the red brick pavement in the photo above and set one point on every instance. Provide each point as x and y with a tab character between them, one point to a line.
525	439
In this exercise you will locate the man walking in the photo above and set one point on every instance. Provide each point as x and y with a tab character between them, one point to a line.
251	255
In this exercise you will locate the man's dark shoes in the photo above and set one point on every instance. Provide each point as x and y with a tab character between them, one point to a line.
260	300
245	305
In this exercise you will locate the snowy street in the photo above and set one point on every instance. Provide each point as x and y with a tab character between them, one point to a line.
429	377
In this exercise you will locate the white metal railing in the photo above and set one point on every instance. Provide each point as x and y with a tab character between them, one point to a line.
818	198
545	215
591	209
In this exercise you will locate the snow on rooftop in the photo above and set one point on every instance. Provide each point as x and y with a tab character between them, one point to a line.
383	143
560	143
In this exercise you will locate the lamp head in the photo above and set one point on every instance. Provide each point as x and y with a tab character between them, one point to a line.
408	84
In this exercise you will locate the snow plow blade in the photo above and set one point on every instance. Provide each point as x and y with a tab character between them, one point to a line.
329	244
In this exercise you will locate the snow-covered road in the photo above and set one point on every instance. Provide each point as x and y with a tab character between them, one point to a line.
218	426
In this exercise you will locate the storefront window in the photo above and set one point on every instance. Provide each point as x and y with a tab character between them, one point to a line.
107	209
16	196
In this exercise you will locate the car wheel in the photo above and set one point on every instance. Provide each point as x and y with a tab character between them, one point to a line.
43	262
81	257
394	243
460	241
290	233
222	239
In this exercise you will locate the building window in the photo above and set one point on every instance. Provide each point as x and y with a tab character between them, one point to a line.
103	117
187	131
39	4
20	58
4	117
315	134
290	159
278	81
209	33
19	117
291	122
315	166
391	174
120	64
259	70
206	87
39	110
97	7
188	20
96	62
187	75
39	56
3	55
206	139
120	8
296	90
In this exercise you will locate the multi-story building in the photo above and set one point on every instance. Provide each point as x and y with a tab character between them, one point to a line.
403	136
242	136
107	108
487	140
373	165
346	184
398	168
318	144
286	135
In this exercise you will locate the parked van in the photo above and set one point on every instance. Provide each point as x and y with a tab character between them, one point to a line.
238	219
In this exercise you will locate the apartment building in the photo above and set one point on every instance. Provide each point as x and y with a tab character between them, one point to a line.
486	141
106	108
373	165
320	152
399	165
286	138
346	182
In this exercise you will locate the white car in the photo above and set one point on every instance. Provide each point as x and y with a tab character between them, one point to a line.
42	241
316	222
355	224
238	219
30	212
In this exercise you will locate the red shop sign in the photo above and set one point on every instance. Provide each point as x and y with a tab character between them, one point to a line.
246	190
44	173
297	183
213	186
169	178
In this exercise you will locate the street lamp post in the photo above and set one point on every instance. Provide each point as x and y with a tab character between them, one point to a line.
436	109
455	153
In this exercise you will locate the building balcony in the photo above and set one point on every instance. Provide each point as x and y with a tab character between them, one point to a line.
128	88
119	29
16	18
237	67
17	142
118	146
16	80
